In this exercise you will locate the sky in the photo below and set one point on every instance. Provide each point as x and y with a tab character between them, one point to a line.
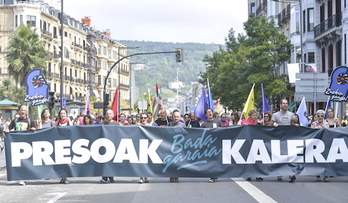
201	21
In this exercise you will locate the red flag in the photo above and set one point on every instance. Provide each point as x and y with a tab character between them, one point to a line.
114	106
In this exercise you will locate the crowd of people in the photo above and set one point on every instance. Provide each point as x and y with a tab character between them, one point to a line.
175	119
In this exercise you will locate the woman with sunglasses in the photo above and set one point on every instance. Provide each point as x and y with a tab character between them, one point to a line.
143	121
321	124
267	118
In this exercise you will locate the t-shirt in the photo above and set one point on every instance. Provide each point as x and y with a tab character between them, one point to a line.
248	122
225	123
283	118
47	124
21	124
162	123
211	124
193	124
178	124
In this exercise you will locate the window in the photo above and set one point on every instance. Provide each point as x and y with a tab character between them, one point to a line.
310	19
311	57
252	8
31	20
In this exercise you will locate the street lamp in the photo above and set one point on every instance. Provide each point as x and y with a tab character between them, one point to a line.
301	28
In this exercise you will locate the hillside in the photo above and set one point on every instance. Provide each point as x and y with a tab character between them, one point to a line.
162	68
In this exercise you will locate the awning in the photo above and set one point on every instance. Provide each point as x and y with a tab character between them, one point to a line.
96	46
68	48
95	92
57	47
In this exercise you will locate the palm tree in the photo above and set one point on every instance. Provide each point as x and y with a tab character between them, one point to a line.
26	52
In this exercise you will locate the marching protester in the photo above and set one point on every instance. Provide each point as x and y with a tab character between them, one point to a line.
87	120
163	120
283	117
321	124
46	121
63	120
122	120
21	123
144	119
211	123
109	121
224	121
252	120
333	122
267	118
176	123
192	122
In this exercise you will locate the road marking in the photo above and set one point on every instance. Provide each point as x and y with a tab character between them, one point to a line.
253	191
57	197
1	175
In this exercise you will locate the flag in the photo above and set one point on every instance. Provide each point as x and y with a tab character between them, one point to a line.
149	101
157	104
210	98
87	105
202	105
114	106
328	105
302	113
249	104
265	106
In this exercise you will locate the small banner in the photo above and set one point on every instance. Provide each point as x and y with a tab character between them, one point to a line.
147	151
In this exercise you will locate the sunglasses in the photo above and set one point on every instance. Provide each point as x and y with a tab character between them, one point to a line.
266	116
320	115
143	117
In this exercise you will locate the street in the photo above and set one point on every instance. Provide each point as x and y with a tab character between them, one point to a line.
128	190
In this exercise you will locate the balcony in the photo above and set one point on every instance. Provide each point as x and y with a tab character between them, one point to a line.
328	25
45	32
284	15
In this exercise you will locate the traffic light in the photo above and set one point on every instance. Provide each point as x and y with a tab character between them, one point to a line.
106	103
52	98
179	55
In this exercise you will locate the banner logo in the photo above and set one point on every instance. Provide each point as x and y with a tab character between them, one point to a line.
37	88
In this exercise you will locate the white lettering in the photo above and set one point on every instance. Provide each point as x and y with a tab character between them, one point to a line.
338	150
276	153
19	151
80	147
109	147
126	151
314	150
258	152
146	151
295	147
42	151
63	147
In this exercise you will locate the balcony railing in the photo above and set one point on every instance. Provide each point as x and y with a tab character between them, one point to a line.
284	15
328	24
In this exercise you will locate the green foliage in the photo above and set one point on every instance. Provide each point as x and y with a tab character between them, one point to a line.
248	59
13	93
26	52
162	68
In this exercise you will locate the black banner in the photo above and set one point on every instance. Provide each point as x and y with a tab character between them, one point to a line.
147	151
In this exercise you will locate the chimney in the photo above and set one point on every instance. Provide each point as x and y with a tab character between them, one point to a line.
86	21
107	33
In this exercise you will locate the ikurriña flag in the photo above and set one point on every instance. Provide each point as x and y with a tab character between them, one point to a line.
157	104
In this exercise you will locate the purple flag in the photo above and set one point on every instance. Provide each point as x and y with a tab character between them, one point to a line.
265	106
210	99
201	106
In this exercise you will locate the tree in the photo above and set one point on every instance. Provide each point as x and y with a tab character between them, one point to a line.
26	52
249	58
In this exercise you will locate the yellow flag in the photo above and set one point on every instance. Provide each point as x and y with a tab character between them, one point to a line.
249	104
149	102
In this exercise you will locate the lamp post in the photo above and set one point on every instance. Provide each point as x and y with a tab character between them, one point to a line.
61	55
301	29
179	55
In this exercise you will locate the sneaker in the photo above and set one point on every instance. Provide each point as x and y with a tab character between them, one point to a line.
111	180
212	180
171	180
21	183
279	178
292	179
326	179
141	180
146	180
103	181
259	179
176	179
248	179
66	181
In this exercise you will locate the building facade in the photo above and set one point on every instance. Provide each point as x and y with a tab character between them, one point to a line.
88	54
318	30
